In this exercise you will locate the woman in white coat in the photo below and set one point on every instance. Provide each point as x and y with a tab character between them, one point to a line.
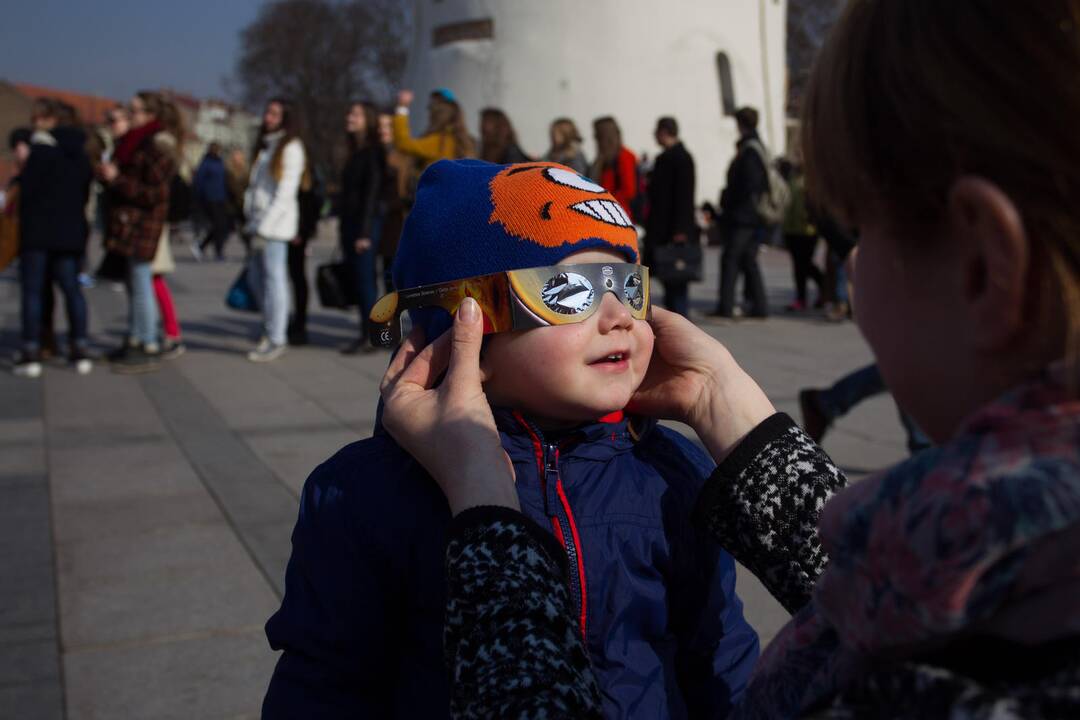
273	216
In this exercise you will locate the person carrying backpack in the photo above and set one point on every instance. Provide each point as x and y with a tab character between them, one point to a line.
752	201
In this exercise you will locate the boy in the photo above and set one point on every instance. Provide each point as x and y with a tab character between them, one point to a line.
361	621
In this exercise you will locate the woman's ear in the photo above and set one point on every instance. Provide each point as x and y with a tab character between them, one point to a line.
995	256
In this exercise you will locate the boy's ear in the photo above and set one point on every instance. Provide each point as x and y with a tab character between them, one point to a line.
996	257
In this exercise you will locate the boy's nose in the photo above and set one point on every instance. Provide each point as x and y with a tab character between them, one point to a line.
613	313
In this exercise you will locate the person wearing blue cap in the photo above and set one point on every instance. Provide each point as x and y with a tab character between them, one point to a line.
361	622
446	137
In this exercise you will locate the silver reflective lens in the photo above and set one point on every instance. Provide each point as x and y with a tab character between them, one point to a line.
568	294
633	291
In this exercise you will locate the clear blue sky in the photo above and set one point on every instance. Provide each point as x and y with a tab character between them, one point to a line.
115	47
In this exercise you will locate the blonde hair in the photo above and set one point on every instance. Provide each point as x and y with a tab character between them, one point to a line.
909	95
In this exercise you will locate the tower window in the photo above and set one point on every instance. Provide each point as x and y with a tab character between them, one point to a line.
459	31
727	87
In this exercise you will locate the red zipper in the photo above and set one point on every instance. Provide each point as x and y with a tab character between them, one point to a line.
571	543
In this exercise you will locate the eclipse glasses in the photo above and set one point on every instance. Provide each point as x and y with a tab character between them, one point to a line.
521	299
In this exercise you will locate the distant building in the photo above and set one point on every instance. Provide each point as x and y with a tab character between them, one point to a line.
637	60
225	124
208	121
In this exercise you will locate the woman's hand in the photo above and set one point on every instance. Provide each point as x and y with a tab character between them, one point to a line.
404	98
693	379
362	245
108	172
449	429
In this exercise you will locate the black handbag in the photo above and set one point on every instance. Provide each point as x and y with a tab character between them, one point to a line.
677	262
334	283
113	267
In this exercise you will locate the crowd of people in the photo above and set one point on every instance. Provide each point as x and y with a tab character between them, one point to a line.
273	199
521	517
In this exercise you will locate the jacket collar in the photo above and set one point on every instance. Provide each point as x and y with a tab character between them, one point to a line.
43	137
601	439
747	139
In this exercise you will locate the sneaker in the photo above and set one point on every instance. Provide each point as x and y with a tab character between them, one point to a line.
838	313
28	365
266	351
137	360
120	352
81	360
172	348
86	281
797	306
815	422
196	251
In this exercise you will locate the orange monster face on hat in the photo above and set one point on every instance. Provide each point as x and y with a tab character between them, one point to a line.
553	206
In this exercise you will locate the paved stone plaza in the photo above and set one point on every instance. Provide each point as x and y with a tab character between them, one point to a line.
145	523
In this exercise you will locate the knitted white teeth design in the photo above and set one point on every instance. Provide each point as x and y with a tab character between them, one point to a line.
604	211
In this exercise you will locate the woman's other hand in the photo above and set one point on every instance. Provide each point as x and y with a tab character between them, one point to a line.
693	379
108	172
449	429
404	98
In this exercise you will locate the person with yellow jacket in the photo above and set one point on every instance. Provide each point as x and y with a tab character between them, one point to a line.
446	137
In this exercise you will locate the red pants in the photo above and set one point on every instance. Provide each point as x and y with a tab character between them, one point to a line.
169	323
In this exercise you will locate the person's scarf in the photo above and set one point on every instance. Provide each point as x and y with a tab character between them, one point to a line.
980	537
132	139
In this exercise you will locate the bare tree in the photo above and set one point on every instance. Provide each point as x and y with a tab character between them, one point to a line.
324	54
809	22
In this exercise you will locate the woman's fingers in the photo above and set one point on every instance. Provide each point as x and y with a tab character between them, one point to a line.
429	364
468	336
405	355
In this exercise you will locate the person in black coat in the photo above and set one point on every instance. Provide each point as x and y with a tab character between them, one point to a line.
671	207
310	200
361	188
747	181
54	189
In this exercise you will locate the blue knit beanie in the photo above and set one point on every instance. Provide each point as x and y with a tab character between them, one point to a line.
475	218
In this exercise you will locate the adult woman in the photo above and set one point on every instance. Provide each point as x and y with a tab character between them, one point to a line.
273	218
801	239
237	173
399	178
566	146
361	190
446	136
615	167
170	140
54	186
498	141
952	579
138	198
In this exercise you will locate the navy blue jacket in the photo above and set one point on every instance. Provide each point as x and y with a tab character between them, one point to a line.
361	621
209	182
54	188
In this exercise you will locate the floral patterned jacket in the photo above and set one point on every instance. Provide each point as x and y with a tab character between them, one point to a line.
951	585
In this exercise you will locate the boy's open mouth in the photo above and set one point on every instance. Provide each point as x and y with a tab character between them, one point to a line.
614	359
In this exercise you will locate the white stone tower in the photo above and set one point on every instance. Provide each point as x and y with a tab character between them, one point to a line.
634	59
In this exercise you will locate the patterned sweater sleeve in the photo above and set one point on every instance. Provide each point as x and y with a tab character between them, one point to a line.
762	505
510	639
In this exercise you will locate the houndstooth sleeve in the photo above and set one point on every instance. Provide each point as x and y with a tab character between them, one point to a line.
762	505
510	639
